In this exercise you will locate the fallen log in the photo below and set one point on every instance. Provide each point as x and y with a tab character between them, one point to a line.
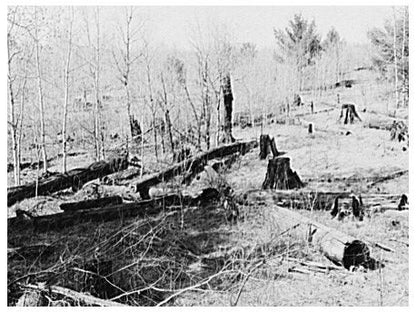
74	178
307	199
392	176
340	248
192	166
113	212
74	295
91	203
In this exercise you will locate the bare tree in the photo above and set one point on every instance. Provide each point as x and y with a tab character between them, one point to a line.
66	89
36	39
94	65
124	61
396	77
13	123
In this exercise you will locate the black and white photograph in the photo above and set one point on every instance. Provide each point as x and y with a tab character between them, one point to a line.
207	155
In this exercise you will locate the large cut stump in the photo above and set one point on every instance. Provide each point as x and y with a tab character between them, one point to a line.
350	113
280	176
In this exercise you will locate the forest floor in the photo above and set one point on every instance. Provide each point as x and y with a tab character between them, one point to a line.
198	251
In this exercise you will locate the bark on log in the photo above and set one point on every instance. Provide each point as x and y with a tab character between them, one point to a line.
121	211
192	166
279	175
92	203
74	295
338	247
74	178
318	200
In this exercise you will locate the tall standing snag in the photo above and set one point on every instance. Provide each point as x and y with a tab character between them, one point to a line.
228	106
280	176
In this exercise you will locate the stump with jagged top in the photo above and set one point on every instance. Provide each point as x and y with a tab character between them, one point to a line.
280	176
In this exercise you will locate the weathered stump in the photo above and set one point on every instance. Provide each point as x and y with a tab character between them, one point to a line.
264	146
267	145
310	128
350	113
280	176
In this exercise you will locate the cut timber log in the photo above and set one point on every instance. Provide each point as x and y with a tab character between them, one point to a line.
307	199
279	175
74	295
338	247
113	212
92	203
74	178
224	163
192	166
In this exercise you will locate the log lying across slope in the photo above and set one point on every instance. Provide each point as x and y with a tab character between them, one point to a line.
74	178
191	166
338	247
113	212
305	199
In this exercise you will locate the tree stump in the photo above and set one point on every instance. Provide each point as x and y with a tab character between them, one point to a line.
264	146
350	113
267	145
310	128
280	176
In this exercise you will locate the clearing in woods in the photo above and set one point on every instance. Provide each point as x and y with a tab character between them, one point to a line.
192	256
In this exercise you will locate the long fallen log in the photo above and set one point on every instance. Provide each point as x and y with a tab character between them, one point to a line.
191	166
91	203
113	212
74	178
307	199
340	248
84	298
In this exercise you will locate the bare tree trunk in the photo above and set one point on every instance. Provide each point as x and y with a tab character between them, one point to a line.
66	87
228	109
99	137
40	98
167	115
404	93
396	78
207	105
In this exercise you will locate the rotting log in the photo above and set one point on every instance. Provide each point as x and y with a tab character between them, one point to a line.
91	203
74	178
308	199
113	212
279	175
74	295
225	163
192	166
338	247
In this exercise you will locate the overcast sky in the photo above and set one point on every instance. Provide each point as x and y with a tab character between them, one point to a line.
173	25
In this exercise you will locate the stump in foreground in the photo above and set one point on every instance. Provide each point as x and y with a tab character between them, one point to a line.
280	176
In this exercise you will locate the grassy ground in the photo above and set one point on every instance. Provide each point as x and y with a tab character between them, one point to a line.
164	254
